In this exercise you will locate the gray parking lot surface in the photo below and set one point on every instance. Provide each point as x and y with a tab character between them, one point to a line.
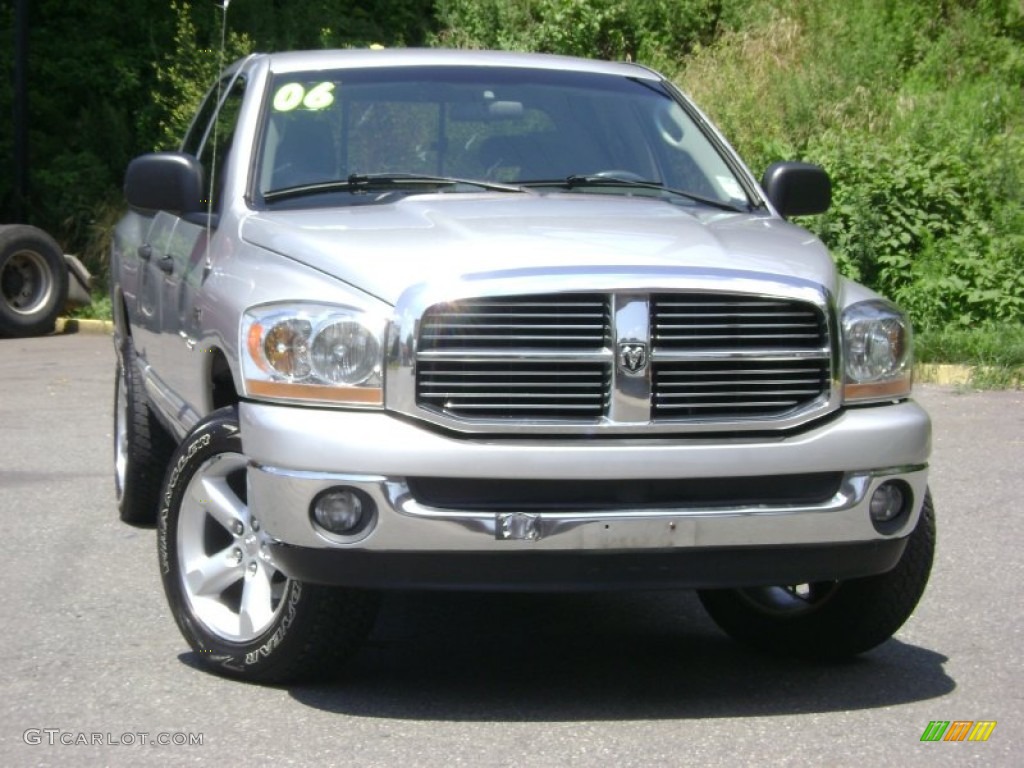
94	671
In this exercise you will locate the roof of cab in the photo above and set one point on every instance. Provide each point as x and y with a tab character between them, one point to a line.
298	61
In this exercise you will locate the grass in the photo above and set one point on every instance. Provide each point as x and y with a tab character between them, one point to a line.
996	354
99	309
1000	346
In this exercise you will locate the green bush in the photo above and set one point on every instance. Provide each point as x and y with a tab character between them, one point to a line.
915	110
925	228
184	73
657	32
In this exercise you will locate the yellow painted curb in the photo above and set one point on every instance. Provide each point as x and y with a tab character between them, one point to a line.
969	376
76	325
943	373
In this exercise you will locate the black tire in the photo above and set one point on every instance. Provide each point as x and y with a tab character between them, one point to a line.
829	620
33	281
242	616
142	448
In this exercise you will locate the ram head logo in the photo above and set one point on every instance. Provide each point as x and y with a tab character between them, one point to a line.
633	357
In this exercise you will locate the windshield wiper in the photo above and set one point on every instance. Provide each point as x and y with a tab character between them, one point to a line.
364	182
580	180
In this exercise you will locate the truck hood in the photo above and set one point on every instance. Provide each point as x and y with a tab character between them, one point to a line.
383	249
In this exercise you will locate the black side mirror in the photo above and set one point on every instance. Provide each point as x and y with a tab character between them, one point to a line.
165	181
797	189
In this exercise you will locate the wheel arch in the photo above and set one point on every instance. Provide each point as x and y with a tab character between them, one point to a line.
119	309
220	378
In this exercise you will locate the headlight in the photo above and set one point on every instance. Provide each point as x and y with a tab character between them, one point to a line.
311	352
877	345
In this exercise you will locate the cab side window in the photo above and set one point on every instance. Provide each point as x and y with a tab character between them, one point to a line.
210	137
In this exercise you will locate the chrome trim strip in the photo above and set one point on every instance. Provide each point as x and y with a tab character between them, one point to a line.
852	491
631	391
522	355
660	355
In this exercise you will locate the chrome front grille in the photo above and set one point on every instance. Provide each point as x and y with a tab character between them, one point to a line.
624	361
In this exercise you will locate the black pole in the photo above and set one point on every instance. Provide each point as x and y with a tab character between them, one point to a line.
21	110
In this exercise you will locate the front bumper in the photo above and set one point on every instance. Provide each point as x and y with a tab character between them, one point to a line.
296	453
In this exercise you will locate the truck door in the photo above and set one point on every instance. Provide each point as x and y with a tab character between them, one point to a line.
148	256
191	251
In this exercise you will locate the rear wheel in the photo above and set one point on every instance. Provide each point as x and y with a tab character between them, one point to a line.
33	281
831	619
242	614
142	447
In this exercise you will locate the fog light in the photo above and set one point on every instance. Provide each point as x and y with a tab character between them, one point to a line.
342	510
887	502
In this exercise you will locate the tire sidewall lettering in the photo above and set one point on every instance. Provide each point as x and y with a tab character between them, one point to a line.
286	620
233	658
164	532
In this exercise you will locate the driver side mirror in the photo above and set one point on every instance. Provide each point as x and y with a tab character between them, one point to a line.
165	181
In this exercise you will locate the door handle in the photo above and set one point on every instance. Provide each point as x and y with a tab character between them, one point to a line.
145	251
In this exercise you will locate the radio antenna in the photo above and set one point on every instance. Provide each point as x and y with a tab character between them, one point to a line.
211	184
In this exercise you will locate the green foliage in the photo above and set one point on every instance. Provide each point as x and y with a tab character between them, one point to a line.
657	32
187	70
1000	346
276	25
915	109
108	81
87	76
100	309
924	229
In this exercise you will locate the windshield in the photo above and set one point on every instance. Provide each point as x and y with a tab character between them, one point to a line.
418	126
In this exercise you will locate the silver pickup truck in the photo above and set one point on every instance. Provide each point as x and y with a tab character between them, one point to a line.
469	320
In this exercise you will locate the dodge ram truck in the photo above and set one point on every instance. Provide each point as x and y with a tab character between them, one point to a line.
430	319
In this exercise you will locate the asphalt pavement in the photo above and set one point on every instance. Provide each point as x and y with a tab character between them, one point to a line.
93	670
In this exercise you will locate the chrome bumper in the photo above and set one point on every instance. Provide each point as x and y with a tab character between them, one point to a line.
295	453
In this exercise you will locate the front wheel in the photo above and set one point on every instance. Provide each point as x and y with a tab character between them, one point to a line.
241	614
832	619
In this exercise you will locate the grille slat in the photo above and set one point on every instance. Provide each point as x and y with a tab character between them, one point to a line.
520	337
779	393
730	404
532	407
